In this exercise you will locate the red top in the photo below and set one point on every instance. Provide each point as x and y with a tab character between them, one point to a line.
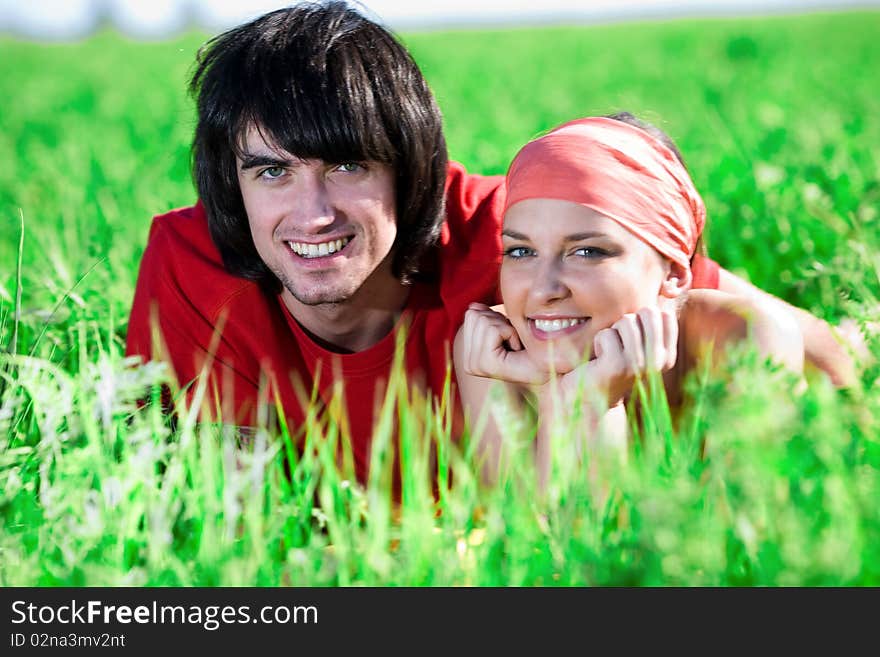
203	309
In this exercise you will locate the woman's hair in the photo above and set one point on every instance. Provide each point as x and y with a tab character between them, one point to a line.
654	131
666	140
319	81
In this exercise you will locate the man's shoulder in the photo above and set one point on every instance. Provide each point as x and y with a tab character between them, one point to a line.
472	199
181	256
469	251
474	207
183	229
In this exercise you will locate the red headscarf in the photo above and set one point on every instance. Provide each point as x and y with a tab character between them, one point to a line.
620	171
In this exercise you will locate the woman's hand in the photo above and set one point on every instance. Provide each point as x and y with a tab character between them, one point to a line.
491	348
637	343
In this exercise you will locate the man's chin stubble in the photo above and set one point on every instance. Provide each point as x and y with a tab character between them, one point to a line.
327	298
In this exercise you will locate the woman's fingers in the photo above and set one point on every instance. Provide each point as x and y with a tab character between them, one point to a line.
633	340
670	337
513	340
635	344
651	324
604	342
608	371
493	349
608	348
649	339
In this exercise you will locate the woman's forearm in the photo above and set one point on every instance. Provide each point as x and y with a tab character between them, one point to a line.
579	426
823	348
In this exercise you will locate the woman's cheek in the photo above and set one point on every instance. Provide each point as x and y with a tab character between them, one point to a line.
514	287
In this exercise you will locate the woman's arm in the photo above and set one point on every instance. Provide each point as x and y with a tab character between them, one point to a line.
487	354
824	347
602	430
478	412
715	319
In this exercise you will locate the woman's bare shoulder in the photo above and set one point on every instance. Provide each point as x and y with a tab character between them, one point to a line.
733	310
720	318
712	314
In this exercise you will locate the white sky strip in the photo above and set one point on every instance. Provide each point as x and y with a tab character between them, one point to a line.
71	19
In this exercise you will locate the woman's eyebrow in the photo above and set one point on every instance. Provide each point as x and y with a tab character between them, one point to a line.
577	237
574	237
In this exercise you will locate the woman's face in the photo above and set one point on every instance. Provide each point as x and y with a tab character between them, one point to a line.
569	272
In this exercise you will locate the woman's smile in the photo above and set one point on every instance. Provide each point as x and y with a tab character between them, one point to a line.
553	327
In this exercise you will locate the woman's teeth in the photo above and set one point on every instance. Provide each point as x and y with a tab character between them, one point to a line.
551	325
318	250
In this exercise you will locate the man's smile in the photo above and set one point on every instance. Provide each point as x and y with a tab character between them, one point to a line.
310	250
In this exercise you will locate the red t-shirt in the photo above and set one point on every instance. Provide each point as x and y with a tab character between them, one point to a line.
200	309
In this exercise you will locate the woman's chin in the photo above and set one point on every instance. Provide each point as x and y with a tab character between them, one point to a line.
557	356
564	362
564	366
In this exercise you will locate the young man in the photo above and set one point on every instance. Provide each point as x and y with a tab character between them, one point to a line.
329	220
320	233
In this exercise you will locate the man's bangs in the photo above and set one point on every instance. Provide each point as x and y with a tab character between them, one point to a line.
320	126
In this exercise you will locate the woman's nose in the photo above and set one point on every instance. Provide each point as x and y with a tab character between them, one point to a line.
548	285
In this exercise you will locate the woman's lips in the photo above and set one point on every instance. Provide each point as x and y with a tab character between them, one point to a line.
552	328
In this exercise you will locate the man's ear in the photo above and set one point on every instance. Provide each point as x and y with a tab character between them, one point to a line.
678	281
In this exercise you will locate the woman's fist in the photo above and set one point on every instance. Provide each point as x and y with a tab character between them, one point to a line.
491	348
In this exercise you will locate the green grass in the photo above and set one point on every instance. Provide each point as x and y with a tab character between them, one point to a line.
775	118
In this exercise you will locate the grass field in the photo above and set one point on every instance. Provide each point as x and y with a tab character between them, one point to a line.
777	119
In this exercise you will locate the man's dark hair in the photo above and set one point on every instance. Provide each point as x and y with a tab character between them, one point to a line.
320	81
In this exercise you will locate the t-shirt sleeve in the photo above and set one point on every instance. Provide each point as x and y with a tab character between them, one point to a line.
705	273
471	238
167	324
142	338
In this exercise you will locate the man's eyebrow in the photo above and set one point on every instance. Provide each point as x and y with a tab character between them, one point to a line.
251	161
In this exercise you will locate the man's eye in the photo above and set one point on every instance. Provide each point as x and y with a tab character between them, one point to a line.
518	252
349	167
272	172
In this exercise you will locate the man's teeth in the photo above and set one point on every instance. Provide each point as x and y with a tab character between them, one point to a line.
318	250
550	325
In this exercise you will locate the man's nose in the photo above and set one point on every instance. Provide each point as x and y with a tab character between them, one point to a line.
549	284
311	207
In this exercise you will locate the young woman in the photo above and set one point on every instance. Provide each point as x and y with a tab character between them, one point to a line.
601	226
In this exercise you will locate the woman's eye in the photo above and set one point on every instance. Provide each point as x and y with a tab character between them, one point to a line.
349	167
272	172
590	252
518	252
